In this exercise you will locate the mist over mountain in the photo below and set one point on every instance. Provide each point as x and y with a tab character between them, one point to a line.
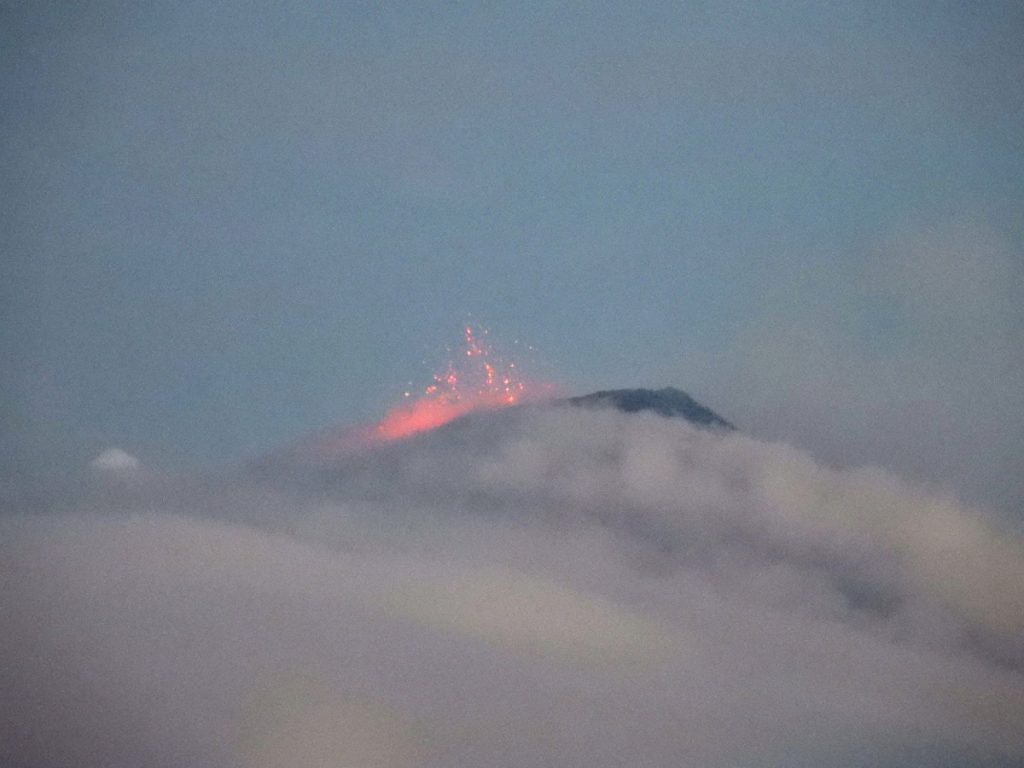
596	581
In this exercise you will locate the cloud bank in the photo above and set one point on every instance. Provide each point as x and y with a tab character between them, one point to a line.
546	585
910	358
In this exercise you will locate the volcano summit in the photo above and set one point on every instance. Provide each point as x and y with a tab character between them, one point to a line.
668	402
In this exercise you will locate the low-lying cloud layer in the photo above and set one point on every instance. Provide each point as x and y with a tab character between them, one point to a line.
540	586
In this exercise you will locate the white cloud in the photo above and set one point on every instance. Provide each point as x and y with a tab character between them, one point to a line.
115	460
564	586
926	382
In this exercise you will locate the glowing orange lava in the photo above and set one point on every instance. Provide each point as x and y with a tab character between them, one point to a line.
475	379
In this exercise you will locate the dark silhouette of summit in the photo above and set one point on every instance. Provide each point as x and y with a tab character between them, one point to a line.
669	402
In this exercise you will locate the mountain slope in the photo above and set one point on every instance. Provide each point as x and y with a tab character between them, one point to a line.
669	402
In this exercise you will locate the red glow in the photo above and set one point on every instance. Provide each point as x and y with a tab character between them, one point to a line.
475	379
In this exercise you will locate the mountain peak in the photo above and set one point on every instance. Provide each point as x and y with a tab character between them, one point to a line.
669	402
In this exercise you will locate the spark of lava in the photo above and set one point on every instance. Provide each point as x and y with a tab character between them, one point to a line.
475	379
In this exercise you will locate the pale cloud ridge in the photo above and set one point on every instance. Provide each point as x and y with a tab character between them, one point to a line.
544	585
115	460
910	358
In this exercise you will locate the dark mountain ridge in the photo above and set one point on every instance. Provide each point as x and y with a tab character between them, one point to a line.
668	401
347	445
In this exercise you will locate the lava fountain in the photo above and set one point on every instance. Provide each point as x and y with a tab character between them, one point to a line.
475	378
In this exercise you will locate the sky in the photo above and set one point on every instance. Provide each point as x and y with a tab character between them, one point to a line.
232	238
225	227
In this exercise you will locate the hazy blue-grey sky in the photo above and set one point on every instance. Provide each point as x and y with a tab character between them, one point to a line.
225	227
